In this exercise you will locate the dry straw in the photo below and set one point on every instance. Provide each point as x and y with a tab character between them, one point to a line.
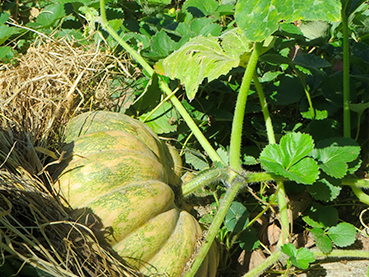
51	83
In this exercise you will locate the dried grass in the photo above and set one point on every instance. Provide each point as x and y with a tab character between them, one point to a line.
51	83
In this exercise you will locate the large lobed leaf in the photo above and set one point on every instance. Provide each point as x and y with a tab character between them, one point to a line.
260	18
205	57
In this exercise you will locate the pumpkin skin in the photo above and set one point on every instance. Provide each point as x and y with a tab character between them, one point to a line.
122	172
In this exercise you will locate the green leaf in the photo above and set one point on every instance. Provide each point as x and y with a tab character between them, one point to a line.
6	32
248	239
289	249
200	58
300	258
359	108
4	51
207	7
303	258
325	189
320	216
150	97
333	158
223	154
237	217
322	240
249	160
318	115
317	31
161	120
161	45
4	16
260	18
50	14
204	27
290	158
343	234
196	159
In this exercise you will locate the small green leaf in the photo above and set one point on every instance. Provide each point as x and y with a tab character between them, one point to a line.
325	189
207	7
320	216
322	240
334	157
318	31
223	154
300	258
343	234
50	14
318	115
161	45
4	16
6	32
289	249
4	51
161	120
196	159
290	158
248	239
249	160
237	217
303	258
359	108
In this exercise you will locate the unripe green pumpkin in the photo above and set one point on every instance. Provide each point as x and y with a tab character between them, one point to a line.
122	172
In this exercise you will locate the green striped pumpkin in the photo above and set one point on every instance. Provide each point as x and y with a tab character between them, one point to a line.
122	172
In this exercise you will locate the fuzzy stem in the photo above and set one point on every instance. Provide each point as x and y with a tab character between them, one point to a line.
338	253
239	113
215	226
271	260
264	107
164	86
283	211
206	178
363	197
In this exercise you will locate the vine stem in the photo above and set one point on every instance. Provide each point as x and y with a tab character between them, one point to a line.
164	87
214	227
235	164
278	254
363	197
283	211
239	113
264	107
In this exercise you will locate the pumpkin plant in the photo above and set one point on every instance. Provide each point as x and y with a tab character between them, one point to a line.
297	157
122	173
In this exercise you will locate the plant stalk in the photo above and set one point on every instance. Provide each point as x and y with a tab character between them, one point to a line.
264	107
215	226
283	212
206	178
239	113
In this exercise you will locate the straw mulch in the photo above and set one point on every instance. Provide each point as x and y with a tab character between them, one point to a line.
49	85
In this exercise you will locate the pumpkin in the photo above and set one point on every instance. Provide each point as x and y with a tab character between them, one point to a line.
120	170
